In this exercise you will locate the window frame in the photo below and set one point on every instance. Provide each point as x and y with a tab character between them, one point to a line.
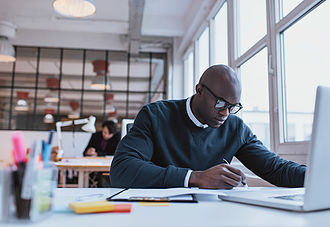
275	25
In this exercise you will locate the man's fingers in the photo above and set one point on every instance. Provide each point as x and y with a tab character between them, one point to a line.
230	182
236	171
228	173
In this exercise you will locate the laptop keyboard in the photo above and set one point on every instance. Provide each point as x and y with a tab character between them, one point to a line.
295	197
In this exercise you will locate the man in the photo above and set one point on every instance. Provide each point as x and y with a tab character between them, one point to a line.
103	142
186	143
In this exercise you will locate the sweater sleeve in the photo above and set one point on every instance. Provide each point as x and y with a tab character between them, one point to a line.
132	165
267	165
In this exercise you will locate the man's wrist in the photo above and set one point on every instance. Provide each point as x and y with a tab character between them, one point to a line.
194	179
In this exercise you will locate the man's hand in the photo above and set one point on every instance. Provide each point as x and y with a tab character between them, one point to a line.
91	152
222	176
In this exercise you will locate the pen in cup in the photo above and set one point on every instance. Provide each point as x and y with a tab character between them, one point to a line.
243	182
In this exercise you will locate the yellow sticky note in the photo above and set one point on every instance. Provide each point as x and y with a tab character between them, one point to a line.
91	207
156	204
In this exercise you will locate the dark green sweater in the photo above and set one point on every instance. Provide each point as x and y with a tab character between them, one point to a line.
164	143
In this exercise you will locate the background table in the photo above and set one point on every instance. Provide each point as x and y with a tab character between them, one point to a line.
84	166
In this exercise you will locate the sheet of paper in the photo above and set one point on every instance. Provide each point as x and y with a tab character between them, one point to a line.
168	192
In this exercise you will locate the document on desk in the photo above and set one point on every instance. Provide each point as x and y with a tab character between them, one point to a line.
161	195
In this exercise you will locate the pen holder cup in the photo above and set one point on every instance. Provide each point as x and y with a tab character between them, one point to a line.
36	200
22	205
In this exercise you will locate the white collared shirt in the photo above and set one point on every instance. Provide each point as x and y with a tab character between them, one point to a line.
198	124
192	116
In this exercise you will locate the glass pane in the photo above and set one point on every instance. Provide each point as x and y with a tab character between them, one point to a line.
26	67
252	22
6	74
157	79
46	108
189	75
70	105
49	66
119	103
255	112
136	102
118	70
159	92
95	67
306	57
139	73
93	105
4	107
203	51
288	5
23	110
72	69
221	33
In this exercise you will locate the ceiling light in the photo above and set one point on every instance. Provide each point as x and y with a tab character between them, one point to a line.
74	113
51	96
53	84
22	104
101	80
75	8
49	118
98	83
7	51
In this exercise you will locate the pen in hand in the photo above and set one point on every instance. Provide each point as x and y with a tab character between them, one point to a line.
243	182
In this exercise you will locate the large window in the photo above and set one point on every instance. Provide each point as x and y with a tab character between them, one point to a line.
280	50
252	22
221	34
203	51
46	85
189	75
255	112
305	60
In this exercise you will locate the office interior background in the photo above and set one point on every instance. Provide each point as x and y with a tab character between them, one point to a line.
142	51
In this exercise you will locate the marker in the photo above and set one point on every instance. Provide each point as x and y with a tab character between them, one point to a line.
19	150
243	183
50	138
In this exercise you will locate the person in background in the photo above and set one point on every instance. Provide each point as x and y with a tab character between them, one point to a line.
190	142
104	142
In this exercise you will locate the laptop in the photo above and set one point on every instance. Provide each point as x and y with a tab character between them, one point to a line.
315	194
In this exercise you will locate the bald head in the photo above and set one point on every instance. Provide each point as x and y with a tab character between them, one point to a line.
223	81
219	82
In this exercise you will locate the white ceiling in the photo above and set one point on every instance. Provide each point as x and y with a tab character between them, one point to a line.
161	18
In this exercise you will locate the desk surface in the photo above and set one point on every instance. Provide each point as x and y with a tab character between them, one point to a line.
209	211
85	162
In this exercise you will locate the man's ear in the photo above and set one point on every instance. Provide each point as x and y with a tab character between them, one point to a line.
198	89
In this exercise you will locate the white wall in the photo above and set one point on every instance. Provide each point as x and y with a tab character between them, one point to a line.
73	143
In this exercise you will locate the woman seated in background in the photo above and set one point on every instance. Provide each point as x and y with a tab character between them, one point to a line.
102	143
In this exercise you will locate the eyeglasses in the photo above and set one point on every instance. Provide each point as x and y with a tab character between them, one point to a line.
222	104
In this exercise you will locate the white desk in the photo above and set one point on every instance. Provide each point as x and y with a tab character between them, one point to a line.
210	211
84	166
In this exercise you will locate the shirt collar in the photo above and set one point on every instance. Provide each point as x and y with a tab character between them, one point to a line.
192	116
